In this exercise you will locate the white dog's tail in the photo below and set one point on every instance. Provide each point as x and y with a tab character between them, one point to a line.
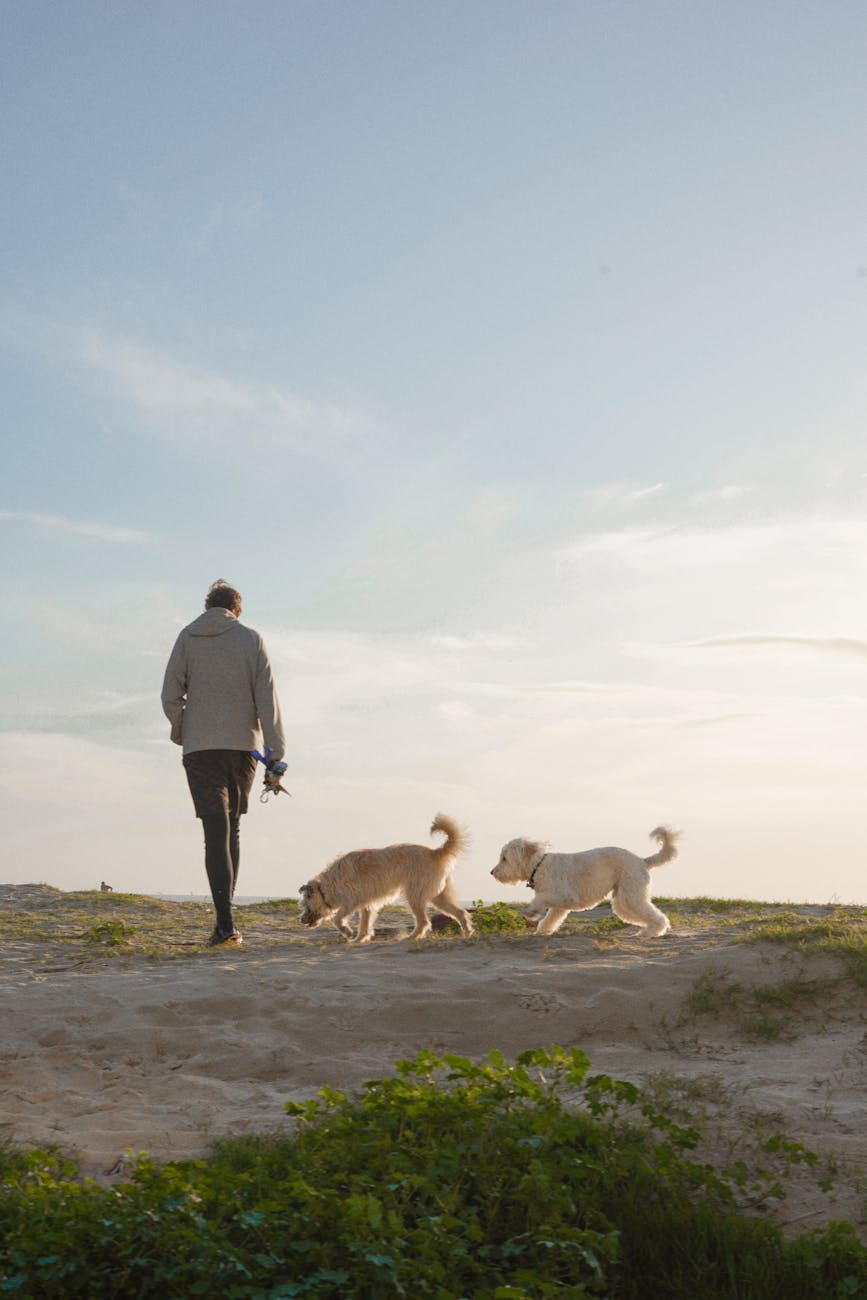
667	846
456	837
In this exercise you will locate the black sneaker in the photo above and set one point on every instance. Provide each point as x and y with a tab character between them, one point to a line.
219	936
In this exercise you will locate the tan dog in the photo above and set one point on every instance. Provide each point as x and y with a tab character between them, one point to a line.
574	882
365	880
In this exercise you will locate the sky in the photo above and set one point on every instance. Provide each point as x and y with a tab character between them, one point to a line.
509	358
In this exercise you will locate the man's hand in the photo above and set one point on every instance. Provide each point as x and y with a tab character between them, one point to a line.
273	773
274	769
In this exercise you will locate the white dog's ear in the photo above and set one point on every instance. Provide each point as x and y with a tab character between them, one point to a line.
532	849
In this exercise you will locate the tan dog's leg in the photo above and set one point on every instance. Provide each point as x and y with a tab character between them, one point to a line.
422	922
366	922
340	921
446	902
417	904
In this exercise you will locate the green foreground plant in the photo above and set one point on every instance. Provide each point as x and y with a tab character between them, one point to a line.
449	1179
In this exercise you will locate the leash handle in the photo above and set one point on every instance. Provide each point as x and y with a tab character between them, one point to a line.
273	772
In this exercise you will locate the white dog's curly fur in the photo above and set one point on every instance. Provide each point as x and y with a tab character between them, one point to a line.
365	880
574	882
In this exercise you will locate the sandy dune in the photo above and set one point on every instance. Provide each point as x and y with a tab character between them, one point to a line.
161	1056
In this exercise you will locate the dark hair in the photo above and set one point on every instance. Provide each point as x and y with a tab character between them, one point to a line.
222	596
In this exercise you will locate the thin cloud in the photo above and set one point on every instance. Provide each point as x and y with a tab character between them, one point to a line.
554	690
626	544
836	646
668	547
614	699
716	720
162	388
242	215
612	495
86	531
195	405
722	495
482	641
105	715
636	494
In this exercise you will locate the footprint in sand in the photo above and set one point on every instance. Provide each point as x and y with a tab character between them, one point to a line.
541	1003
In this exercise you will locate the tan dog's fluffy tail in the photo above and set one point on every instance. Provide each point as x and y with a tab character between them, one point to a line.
667	846
457	839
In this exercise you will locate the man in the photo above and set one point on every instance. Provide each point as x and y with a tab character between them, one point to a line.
218	694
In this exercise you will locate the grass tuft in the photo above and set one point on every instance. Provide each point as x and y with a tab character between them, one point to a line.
764	1011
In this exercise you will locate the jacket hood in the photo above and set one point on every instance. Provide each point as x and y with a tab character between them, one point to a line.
214	622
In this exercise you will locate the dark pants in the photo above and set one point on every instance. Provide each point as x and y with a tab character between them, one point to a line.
222	859
220	781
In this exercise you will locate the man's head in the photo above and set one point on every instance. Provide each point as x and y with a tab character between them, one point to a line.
222	596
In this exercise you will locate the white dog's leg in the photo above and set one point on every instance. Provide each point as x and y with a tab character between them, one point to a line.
655	923
446	902
640	911
657	928
552	920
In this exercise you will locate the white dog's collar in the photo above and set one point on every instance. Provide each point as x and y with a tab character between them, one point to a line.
535	869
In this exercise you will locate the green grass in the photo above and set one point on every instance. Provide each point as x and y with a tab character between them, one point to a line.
732	919
759	1011
88	926
841	934
446	1180
777	1010
731	907
160	926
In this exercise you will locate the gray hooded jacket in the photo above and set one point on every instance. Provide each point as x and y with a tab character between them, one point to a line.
218	691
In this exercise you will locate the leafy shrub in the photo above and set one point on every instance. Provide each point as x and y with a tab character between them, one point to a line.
491	918
448	1180
109	934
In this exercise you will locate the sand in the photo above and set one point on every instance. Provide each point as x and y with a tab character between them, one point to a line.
135	1053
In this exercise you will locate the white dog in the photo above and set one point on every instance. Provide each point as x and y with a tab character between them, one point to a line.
574	882
365	880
